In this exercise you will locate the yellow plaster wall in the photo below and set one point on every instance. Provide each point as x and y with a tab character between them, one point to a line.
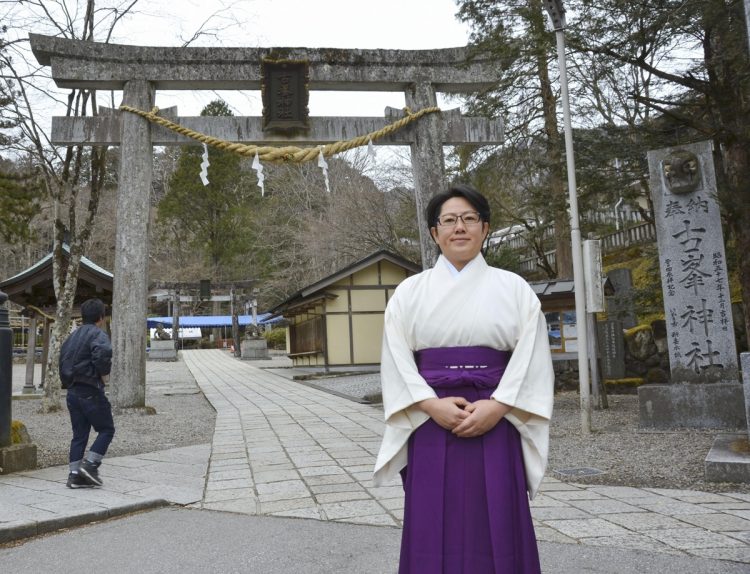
366	276
368	300
391	274
340	303
368	338
338	339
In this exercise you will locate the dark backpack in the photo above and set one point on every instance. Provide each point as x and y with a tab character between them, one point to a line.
68	361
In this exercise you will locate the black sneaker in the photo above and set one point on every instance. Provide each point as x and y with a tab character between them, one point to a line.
75	480
90	471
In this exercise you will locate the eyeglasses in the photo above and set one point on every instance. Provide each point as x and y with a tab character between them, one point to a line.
469	218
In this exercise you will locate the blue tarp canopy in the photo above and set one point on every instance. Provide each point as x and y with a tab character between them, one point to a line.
211	321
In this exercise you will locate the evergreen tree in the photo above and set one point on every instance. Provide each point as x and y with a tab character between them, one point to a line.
216	219
515	34
697	51
20	191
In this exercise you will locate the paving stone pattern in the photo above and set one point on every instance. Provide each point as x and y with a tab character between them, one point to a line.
281	448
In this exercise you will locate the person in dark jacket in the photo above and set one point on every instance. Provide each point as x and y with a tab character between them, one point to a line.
88	406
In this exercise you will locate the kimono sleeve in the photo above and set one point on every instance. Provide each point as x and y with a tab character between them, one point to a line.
528	386
528	381
402	384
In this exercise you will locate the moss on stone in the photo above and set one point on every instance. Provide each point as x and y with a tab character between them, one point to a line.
18	433
629	381
635	330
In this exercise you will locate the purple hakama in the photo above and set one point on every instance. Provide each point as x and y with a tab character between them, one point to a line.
466	506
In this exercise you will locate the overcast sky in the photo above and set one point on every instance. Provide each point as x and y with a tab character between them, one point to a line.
366	24
398	24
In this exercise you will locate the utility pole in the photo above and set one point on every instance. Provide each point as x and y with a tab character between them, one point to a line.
6	372
556	12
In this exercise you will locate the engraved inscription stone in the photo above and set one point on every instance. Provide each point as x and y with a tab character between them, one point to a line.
620	305
612	345
285	95
693	265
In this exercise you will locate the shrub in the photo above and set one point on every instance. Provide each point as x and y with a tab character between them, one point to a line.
276	338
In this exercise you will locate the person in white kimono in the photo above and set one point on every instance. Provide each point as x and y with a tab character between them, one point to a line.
467	385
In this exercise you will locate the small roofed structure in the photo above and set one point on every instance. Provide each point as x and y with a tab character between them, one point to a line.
558	304
33	286
338	321
33	290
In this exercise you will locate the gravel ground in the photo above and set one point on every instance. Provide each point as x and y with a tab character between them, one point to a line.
183	417
625	454
628	455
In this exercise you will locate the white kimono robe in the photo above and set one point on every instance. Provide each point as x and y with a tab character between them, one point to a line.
481	306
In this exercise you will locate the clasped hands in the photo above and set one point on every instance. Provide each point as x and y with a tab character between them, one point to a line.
462	418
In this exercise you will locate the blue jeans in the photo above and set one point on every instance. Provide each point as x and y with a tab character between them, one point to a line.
89	407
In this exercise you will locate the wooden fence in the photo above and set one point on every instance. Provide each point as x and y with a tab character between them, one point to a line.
643	233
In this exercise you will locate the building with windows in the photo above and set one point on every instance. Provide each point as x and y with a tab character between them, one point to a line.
337	322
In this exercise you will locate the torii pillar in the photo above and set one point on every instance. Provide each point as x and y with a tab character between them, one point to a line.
427	161
130	289
139	71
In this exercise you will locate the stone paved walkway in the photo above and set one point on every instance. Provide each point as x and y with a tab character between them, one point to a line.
283	449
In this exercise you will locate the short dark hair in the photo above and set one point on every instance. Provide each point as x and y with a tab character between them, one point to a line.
476	199
92	310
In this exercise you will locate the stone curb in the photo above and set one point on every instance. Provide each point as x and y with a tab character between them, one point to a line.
360	400
28	397
37	527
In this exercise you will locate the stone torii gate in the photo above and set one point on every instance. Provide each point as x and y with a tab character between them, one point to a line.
139	71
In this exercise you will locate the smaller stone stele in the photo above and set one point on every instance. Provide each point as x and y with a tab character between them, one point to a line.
254	348
21	454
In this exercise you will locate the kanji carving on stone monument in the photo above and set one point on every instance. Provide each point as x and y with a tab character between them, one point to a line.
694	276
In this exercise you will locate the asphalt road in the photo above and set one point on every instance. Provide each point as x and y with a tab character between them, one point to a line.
180	540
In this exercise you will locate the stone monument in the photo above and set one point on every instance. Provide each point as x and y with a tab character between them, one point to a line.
620	305
162	346
705	390
254	347
612	345
17	452
729	457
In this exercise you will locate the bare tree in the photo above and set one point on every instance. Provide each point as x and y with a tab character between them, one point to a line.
75	176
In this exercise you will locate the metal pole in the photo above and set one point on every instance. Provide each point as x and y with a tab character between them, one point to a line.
176	319
28	386
575	236
6	372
